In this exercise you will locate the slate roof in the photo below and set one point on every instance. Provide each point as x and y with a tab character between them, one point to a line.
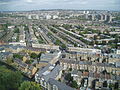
20	63
60	86
46	73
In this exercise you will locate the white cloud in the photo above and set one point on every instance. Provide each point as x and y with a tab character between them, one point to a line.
59	4
29	1
3	3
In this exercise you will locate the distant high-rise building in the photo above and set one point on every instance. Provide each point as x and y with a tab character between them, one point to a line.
48	16
29	17
86	12
37	16
102	17
93	17
110	18
105	18
55	16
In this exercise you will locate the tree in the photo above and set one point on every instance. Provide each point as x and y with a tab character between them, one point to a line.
67	26
116	39
57	42
17	56
111	85
70	69
26	28
16	30
59	80
9	61
27	85
103	42
69	77
63	71
74	84
105	84
33	55
116	87
95	37
63	46
9	80
39	56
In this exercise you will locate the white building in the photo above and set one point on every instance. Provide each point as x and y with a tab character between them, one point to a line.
55	17
17	43
48	17
84	50
118	52
48	47
51	57
29	17
48	72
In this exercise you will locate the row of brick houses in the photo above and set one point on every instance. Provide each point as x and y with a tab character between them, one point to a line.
79	75
90	66
90	74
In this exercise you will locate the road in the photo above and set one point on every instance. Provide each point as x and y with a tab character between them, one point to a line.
74	40
55	36
28	38
44	36
7	36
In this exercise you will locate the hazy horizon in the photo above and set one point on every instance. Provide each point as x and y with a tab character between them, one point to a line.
27	5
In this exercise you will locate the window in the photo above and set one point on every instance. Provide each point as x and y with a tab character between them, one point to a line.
55	87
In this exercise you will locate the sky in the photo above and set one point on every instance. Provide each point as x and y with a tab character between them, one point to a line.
26	5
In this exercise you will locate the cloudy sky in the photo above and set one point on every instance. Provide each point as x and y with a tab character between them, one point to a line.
18	5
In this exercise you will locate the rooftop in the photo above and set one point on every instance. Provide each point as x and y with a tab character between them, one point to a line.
50	71
60	86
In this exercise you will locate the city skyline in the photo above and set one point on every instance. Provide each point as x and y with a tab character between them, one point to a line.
59	45
26	5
